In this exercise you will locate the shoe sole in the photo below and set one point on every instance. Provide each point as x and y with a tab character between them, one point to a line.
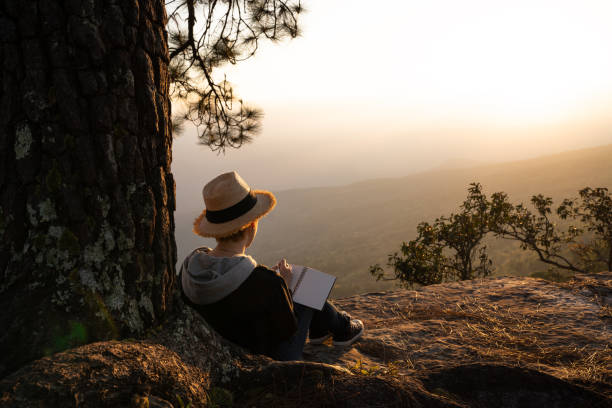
319	340
351	340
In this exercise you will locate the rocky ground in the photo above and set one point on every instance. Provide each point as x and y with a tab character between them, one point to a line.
500	342
500	339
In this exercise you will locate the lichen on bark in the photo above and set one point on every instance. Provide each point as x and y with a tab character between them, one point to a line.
85	219
23	141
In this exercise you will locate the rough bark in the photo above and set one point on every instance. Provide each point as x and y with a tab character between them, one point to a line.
86	194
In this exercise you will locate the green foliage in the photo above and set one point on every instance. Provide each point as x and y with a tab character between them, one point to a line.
536	231
205	35
426	260
594	210
451	248
569	249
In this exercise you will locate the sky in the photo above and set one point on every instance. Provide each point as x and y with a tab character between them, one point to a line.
389	88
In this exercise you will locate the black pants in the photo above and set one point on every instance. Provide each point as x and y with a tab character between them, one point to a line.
328	320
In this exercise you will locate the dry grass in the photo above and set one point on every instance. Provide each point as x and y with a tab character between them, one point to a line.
427	332
523	339
605	312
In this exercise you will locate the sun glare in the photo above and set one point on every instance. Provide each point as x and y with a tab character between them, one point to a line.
519	63
524	61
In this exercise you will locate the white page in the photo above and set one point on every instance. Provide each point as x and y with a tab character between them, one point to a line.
314	287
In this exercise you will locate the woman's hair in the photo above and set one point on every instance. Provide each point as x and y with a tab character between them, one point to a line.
236	236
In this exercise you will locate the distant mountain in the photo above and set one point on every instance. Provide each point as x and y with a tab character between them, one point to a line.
459	163
344	230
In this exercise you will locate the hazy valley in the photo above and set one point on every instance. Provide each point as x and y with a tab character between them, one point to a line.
343	230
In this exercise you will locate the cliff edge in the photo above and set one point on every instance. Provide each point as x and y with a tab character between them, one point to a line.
502	342
506	341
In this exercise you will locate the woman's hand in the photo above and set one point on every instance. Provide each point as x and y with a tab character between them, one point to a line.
285	271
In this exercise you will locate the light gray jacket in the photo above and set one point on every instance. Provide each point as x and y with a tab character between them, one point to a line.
207	279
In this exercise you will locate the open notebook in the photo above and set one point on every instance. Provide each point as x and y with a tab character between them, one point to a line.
311	287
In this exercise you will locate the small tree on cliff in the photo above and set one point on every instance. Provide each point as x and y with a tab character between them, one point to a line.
425	260
87	247
594	210
584	244
447	250
535	231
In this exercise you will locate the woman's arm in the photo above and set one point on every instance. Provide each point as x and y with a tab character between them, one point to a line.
286	271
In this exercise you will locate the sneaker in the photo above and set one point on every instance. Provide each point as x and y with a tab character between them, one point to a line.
318	339
354	332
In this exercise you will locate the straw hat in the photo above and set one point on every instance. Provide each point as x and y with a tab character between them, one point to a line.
230	206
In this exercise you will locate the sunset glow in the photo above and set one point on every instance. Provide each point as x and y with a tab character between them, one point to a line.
490	60
438	80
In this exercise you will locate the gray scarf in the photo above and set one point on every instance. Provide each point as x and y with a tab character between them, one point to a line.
207	279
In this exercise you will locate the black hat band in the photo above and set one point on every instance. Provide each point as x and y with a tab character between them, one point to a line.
233	212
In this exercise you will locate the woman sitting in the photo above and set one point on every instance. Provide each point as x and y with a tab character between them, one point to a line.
247	303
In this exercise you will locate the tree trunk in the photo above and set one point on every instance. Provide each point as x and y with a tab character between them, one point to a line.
87	247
